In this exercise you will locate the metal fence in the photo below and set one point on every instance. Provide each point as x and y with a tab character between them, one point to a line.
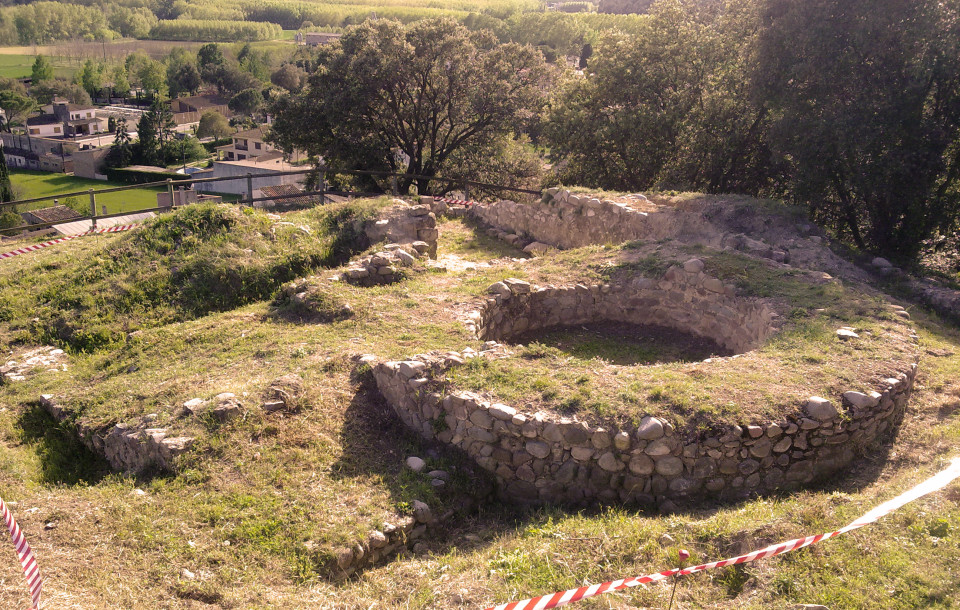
321	193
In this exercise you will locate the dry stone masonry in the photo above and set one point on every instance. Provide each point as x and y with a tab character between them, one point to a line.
386	266
685	299
544	458
565	220
400	534
128	448
403	223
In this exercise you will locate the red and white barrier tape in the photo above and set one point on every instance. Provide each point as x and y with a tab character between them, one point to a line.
563	598
47	244
30	570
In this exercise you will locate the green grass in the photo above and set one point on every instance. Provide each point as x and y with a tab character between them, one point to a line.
182	265
257	509
21	66
579	371
31	184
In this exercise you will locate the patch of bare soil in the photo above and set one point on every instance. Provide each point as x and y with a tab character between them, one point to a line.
626	344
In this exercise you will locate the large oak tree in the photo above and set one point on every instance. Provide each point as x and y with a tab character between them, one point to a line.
404	99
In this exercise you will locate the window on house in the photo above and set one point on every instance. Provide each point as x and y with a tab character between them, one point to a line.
89	115
34	131
56	129
256	145
241	157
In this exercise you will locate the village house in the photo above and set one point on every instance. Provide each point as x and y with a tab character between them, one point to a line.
250	144
63	119
53	214
263	171
316	39
54	154
38	153
187	110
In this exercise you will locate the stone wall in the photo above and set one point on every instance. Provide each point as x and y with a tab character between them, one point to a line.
403	223
570	221
545	458
566	221
404	533
127	448
685	299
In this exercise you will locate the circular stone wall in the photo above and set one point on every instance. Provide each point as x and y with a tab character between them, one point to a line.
544	457
686	299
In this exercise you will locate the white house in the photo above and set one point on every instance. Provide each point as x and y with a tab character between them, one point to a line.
263	170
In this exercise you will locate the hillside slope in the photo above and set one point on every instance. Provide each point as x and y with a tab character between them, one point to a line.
261	509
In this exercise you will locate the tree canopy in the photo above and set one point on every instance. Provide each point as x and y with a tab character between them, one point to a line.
405	98
849	106
213	124
16	106
6	189
42	69
865	103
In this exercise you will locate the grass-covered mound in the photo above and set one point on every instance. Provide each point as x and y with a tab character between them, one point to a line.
180	266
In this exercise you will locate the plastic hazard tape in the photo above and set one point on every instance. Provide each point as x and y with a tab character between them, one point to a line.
47	244
563	598
30	570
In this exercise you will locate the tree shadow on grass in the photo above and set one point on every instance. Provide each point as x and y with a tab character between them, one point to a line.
375	441
64	460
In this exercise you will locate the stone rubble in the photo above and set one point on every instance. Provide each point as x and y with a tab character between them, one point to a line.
386	266
405	532
565	220
403	223
41	359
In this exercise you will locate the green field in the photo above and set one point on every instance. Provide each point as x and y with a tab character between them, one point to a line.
20	66
30	184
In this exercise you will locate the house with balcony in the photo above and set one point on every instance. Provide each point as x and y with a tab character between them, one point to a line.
47	154
250	144
51	153
65	120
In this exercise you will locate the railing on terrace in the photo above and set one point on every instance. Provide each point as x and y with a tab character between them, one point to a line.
321	193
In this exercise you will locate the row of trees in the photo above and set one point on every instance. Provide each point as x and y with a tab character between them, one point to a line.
524	21
847	106
214	30
45	22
